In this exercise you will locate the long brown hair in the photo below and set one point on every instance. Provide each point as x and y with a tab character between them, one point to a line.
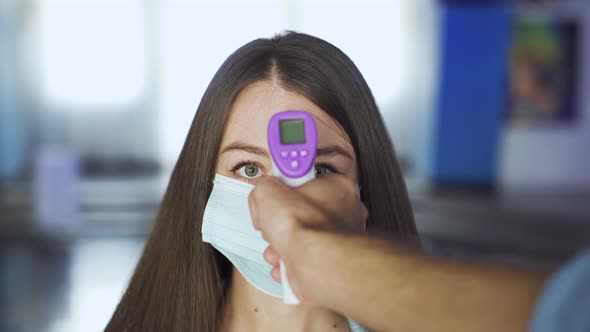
179	283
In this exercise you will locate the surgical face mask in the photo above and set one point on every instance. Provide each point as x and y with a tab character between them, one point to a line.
227	226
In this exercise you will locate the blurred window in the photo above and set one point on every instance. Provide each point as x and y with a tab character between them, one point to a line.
93	52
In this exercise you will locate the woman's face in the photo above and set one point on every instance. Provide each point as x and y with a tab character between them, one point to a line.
244	153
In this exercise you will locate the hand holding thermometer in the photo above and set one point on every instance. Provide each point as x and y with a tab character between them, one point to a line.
292	140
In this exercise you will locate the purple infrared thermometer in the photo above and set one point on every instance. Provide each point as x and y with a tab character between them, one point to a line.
292	140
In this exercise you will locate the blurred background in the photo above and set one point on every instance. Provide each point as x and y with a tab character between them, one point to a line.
487	103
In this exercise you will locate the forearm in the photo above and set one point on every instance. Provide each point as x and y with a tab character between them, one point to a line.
389	288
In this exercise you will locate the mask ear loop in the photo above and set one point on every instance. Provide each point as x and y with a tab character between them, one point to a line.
359	190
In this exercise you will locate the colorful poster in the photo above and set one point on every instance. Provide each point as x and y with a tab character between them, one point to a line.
543	71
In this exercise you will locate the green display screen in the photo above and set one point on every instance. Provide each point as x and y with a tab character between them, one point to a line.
292	131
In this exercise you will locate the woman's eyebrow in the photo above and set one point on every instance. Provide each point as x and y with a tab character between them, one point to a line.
333	150
324	151
245	147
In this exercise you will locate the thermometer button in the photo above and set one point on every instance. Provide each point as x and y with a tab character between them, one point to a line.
294	164
294	153
284	154
303	153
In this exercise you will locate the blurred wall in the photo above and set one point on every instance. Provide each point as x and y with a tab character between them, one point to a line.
538	156
555	156
118	82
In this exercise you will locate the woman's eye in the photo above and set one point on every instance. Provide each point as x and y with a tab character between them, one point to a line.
250	171
323	170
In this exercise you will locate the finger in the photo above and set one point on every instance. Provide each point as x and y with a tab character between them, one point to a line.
271	256
275	273
364	214
336	195
330	192
272	200
268	186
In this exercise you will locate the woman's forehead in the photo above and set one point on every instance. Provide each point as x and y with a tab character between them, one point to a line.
258	102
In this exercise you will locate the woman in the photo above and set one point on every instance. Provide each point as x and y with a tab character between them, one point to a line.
184	284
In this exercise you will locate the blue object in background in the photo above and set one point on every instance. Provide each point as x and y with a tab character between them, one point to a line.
564	304
462	146
56	183
11	136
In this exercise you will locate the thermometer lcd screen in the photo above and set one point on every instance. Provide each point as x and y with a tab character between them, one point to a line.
292	131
